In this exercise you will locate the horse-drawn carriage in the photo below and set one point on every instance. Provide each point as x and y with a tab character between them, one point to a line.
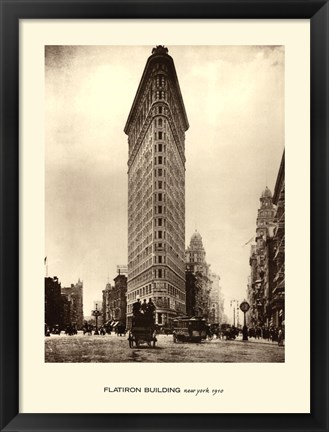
143	328
142	333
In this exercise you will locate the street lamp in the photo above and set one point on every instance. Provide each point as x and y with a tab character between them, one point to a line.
96	313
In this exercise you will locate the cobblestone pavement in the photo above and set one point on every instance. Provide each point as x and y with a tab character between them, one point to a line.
113	349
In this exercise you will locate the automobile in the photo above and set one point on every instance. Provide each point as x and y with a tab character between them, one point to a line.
228	331
187	329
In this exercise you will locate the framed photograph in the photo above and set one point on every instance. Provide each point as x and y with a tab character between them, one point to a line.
163	179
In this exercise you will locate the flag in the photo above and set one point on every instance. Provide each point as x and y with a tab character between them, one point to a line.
249	241
45	261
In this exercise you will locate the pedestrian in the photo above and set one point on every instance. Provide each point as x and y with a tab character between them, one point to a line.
280	337
144	307
47	332
151	310
137	307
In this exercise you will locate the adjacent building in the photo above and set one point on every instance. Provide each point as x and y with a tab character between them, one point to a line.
74	295
63	306
266	285
216	315
258	259
106	303
156	128
198	279
115	300
53	302
277	303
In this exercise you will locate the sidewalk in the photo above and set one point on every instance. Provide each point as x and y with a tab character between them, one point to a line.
260	340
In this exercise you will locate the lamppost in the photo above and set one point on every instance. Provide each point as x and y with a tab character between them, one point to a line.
244	306
96	313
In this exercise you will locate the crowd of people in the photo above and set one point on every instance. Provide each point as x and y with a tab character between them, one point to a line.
274	334
143	313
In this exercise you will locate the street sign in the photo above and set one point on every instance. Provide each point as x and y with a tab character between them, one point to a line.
244	306
122	269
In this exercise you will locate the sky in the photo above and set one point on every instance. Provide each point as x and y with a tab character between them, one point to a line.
234	100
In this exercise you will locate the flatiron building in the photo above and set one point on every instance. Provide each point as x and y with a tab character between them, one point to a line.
156	128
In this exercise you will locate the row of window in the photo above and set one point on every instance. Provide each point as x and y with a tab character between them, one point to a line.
140	292
159	184
160	80
140	279
160	148
159	122
160	95
160	135
159	172
159	160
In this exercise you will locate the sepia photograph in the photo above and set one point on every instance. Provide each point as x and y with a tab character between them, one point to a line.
164	204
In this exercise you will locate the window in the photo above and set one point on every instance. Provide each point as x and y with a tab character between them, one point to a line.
160	172
160	273
160	196
160	135
160	110
160	80
159	209
160	259
160	148
160	222
159	234
160	122
160	184
160	160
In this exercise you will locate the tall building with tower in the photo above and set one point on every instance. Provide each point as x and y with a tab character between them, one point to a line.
260	257
156	128
198	280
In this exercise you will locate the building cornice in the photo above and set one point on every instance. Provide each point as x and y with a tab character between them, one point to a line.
279	180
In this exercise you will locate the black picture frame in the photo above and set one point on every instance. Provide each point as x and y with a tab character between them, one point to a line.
11	12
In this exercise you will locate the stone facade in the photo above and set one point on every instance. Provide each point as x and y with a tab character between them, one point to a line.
258	260
216	315
266	286
198	279
277	303
115	300
156	129
74	295
106	303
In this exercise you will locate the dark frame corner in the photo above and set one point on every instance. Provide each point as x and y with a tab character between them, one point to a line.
11	12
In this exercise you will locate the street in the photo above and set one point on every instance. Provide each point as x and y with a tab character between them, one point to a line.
113	349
